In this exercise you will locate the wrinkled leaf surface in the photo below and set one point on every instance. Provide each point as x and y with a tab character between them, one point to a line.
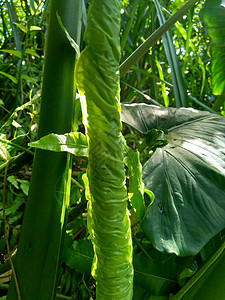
97	75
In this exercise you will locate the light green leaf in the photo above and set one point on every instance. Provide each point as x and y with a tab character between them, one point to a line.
73	142
163	86
16	124
178	81
136	186
13	52
3	153
187	176
108	219
21	27
12	179
24	185
213	16
32	28
32	6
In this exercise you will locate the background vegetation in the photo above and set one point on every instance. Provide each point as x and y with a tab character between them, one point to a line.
179	70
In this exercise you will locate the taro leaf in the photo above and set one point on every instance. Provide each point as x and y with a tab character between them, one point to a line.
214	17
187	176
73	142
140	293
152	276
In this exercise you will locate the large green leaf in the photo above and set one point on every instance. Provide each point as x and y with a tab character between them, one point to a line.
187	176
97	74
152	277
214	18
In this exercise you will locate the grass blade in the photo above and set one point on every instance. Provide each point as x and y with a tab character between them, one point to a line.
178	81
152	39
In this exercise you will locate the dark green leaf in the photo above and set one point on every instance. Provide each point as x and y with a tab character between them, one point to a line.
187	177
152	276
70	39
79	257
9	76
140	293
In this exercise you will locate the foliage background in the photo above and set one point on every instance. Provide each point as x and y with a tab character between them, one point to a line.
22	41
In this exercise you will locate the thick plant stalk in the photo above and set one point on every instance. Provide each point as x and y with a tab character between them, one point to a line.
98	82
42	231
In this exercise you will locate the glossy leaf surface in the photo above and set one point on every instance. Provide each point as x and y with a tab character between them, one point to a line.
187	176
97	75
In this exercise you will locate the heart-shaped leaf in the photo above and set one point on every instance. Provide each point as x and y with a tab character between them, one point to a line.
187	176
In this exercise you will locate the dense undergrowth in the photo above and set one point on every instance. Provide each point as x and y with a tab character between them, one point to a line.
177	67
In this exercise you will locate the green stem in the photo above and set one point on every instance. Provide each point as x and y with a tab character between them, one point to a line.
200	273
128	25
143	48
43	229
6	233
141	247
16	146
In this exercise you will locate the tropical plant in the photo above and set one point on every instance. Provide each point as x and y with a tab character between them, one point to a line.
177	229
